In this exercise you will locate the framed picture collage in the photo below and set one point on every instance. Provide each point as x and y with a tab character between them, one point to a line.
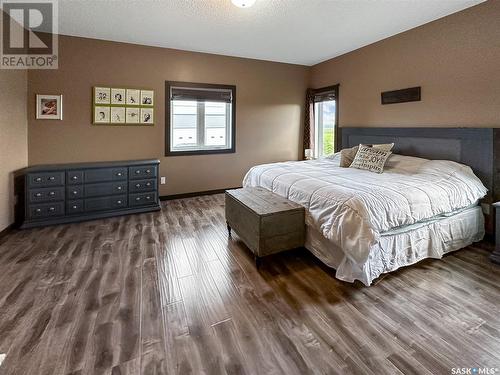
122	106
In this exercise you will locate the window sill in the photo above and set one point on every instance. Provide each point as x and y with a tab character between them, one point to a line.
200	152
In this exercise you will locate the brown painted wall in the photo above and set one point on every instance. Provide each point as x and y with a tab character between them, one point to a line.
269	110
456	60
13	137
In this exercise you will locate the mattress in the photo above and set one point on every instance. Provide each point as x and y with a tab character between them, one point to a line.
356	210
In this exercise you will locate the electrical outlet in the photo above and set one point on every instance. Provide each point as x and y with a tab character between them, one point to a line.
163	180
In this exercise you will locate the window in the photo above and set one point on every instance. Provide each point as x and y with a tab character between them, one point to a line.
200	118
325	120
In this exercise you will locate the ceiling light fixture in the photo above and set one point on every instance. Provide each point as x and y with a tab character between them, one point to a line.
243	3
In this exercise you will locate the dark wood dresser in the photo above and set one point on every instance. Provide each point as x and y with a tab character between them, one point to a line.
65	193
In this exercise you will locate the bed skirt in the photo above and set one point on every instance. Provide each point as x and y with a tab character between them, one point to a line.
401	247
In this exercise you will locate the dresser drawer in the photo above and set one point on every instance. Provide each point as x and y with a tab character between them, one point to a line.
106	188
142	172
74	192
36	211
142	199
46	194
74	177
66	193
105	174
74	207
105	203
45	179
137	186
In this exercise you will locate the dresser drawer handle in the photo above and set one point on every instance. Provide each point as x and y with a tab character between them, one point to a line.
74	207
137	171
38	179
74	192
148	184
137	186
119	174
118	202
118	188
52	178
52	209
38	195
148	171
38	210
52	193
74	178
148	197
138	198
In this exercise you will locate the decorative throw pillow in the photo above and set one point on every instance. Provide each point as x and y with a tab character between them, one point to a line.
370	158
347	155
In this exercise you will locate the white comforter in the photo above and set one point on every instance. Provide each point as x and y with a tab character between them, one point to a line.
352	207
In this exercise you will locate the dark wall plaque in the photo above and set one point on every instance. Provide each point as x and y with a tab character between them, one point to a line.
412	94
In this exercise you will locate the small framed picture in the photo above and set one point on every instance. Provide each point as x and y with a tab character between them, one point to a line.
133	97
118	96
147	116
147	97
133	115
102	95
49	107
117	115
102	115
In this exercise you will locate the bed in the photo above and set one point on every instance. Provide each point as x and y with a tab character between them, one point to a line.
365	224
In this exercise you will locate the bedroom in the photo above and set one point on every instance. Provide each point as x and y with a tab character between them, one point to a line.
159	285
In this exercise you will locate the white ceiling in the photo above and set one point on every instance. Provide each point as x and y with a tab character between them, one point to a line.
294	31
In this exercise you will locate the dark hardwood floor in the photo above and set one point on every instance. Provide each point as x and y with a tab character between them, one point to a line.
168	292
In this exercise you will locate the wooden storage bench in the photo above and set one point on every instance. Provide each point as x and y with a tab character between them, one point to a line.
266	222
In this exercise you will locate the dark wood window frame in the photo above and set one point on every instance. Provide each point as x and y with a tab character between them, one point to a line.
168	151
328	89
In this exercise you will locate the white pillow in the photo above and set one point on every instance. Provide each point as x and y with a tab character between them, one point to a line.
370	158
383	146
404	163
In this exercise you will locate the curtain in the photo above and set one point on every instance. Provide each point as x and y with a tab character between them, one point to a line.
309	122
316	96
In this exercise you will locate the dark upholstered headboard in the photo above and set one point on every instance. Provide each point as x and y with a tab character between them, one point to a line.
474	147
